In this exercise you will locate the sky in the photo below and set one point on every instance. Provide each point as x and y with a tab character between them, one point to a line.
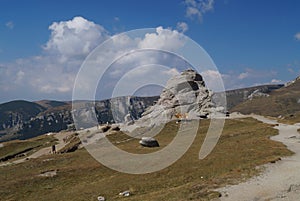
43	44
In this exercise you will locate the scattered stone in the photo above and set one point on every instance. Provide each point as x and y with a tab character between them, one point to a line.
214	195
101	198
105	128
294	187
125	193
227	114
49	173
48	159
149	142
275	160
21	155
115	128
1	145
257	93
281	196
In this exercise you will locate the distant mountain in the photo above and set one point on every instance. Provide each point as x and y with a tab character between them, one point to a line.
14	114
23	119
238	96
284	101
50	103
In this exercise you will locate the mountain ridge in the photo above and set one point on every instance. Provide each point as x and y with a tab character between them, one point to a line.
282	102
20	119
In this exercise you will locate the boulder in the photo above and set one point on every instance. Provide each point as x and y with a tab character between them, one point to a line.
149	142
101	198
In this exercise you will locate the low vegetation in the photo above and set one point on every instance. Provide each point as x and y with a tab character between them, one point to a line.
283	102
291	119
21	148
243	146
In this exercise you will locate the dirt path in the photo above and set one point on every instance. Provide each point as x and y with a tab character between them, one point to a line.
280	181
44	151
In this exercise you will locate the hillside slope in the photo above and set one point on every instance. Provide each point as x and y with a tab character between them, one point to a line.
13	115
281	102
24	120
237	96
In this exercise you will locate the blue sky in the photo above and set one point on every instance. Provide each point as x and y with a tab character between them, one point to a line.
251	41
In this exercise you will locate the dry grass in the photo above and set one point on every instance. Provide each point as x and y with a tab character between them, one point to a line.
281	102
244	144
292	119
26	147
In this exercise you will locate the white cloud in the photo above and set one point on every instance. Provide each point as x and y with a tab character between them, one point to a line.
251	77
196	8
276	81
51	74
182	27
213	80
243	75
164	39
19	76
10	24
297	36
74	38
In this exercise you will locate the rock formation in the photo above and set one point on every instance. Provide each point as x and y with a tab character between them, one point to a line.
185	96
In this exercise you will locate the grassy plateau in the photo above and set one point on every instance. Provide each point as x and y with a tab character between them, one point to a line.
243	146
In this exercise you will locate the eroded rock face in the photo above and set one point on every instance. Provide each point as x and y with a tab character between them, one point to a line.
184	96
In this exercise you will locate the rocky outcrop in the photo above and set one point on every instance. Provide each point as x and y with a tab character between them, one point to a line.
257	93
185	96
292	82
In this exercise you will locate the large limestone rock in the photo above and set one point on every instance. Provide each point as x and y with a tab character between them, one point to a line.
184	97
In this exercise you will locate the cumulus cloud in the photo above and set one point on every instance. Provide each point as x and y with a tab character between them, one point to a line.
182	27
196	8
53	71
165	39
297	36
213	80
74	38
51	74
10	24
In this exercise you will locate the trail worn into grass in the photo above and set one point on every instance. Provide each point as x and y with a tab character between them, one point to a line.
280	181
44	151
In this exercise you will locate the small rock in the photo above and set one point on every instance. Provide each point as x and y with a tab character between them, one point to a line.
115	128
105	128
101	198
50	173
149	142
294	187
125	193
